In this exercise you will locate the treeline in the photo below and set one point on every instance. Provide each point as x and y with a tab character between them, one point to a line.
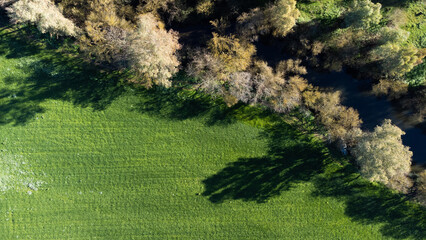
131	36
386	44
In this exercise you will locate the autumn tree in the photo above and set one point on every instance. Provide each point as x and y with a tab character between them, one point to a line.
77	10
282	16
280	89
396	60
7	3
277	18
105	35
43	14
340	121
205	7
152	52
383	158
392	89
224	61
363	14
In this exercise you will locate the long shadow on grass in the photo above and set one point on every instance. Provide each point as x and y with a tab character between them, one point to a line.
179	104
18	41
368	203
293	158
54	76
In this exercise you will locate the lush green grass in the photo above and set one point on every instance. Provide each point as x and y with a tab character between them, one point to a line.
115	163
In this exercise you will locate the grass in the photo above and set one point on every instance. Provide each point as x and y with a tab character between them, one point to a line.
83	157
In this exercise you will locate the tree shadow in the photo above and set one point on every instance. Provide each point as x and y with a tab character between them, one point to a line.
292	158
55	76
370	203
180	104
19	41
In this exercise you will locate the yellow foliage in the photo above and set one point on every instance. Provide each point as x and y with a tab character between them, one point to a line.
235	54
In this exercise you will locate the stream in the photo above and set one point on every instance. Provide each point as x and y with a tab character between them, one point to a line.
355	93
372	110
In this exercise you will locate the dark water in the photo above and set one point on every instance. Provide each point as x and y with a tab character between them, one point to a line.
372	110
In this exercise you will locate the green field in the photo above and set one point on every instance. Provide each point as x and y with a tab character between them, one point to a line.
83	158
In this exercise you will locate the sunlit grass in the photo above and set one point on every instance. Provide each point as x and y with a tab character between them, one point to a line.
118	163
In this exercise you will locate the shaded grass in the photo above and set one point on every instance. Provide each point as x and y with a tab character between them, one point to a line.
35	74
121	163
292	157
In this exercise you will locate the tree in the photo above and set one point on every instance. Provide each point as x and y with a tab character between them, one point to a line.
363	14
280	90
282	16
383	158
209	71
396	60
44	14
7	3
205	7
77	10
393	35
105	38
278	18
152	52
339	120
241	86
235	54
221	69
392	89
